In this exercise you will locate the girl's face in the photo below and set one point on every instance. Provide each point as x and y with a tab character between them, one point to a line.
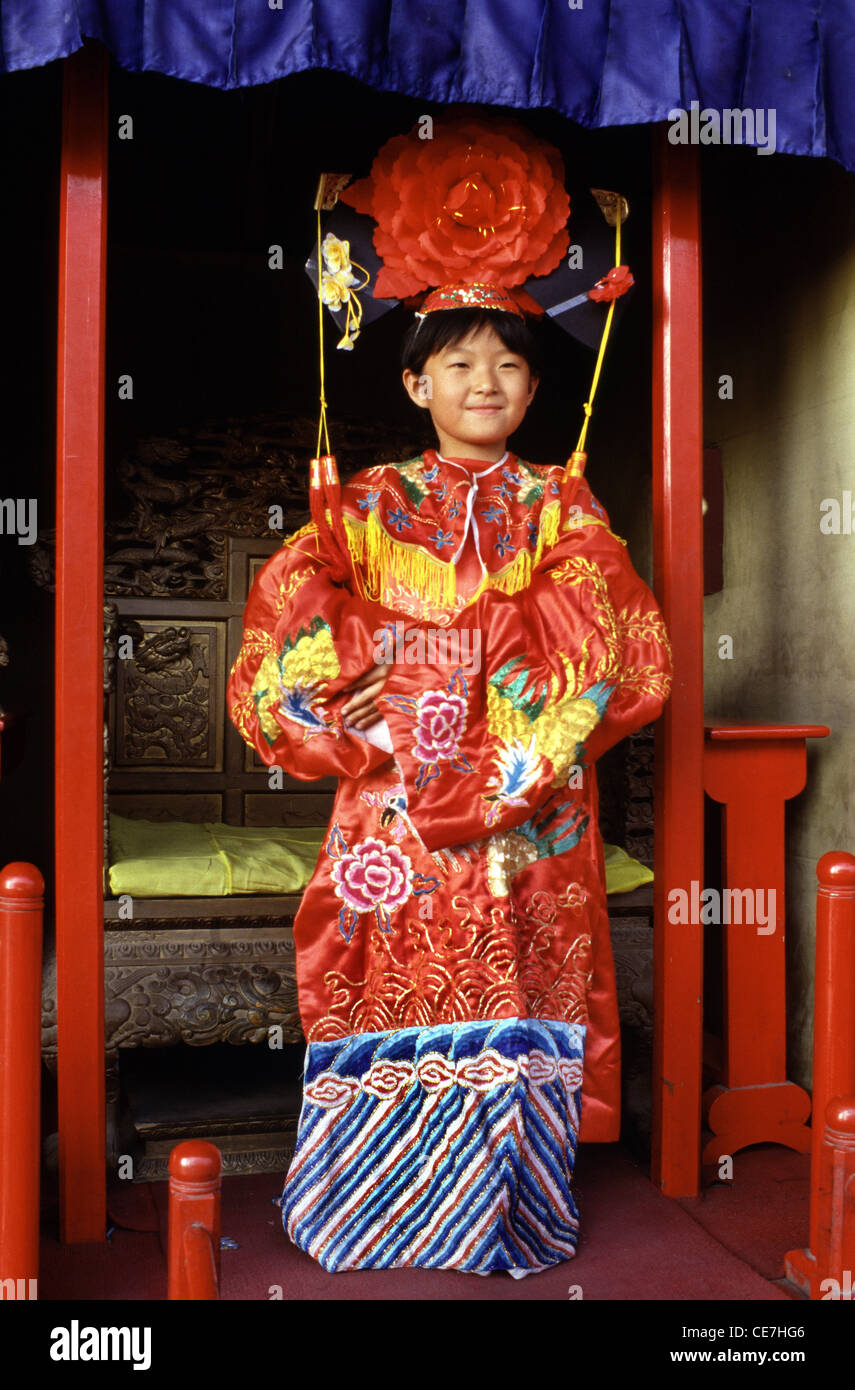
477	392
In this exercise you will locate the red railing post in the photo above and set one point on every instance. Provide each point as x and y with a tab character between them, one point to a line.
21	911
832	1212
836	1216
194	1220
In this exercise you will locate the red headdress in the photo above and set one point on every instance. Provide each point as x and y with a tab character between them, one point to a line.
474	204
467	214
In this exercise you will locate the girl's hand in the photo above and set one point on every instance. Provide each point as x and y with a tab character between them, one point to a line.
360	711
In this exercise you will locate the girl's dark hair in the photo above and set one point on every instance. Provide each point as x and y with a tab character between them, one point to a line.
446	327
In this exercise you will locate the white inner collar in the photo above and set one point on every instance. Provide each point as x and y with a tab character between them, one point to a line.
470	504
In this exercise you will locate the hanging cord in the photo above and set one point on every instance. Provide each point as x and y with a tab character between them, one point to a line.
575	468
324	484
603	343
322	416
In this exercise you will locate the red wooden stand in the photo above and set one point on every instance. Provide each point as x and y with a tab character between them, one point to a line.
753	769
831	1254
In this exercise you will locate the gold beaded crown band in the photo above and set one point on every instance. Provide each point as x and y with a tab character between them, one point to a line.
475	294
462	213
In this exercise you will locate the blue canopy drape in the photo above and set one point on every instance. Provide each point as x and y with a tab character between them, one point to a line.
609	62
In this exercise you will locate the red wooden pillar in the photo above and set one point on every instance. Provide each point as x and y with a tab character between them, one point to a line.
678	579
79	645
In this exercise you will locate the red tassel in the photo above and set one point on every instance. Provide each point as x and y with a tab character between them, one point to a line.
573	474
325	496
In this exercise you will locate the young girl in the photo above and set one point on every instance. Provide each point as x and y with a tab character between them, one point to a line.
455	976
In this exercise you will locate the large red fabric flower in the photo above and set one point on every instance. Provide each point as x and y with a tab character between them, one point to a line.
476	202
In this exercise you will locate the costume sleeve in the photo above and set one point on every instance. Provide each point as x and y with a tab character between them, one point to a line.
305	638
541	683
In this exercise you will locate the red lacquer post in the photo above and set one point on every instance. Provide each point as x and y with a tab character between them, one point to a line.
678	581
832	1198
21	914
79	701
194	1220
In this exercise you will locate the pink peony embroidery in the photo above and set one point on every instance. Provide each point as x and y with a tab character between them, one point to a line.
373	875
441	721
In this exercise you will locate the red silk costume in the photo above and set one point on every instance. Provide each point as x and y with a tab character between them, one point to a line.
461	882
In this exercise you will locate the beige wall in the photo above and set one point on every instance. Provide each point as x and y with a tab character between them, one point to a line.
779	291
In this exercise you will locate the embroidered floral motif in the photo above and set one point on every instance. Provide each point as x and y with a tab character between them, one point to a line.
397	517
372	877
440	719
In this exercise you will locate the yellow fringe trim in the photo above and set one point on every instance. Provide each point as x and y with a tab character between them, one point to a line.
386	561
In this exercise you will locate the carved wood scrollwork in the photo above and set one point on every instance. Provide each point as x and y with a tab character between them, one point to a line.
165	987
638	794
187	494
205	1004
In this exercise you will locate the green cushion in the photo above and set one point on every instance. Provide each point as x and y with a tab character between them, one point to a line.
172	859
623	873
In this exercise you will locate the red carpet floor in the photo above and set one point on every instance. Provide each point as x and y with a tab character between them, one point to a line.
637	1244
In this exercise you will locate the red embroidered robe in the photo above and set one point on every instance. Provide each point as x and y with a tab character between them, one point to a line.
461	884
